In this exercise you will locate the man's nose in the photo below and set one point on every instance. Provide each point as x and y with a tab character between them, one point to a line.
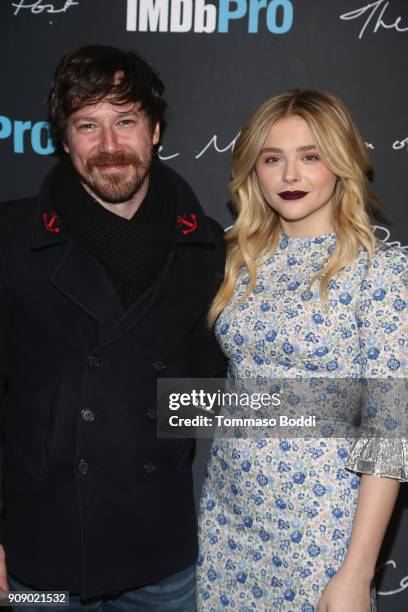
109	141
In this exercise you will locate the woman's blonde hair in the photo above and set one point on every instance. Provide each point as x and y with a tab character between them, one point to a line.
255	233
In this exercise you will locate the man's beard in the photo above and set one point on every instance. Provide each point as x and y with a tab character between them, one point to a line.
112	187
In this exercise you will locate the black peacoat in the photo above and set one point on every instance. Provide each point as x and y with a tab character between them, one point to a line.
93	501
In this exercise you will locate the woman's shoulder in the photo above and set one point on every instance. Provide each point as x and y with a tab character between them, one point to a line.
383	282
387	258
390	258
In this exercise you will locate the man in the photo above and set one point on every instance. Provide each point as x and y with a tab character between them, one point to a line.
106	278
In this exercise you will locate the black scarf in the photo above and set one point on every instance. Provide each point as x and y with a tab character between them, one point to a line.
133	251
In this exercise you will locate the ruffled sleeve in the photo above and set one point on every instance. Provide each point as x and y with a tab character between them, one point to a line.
382	446
386	457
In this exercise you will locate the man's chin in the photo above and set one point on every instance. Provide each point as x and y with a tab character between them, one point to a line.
115	196
114	190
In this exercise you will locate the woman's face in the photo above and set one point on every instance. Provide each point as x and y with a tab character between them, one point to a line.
294	180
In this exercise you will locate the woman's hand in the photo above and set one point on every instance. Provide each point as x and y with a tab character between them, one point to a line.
346	593
349	589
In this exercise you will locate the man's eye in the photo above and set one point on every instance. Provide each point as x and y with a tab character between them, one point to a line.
126	121
86	126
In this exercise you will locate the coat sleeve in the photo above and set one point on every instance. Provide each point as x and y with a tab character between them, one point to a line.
208	361
382	448
3	373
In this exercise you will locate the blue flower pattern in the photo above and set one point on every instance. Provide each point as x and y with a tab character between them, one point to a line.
287	505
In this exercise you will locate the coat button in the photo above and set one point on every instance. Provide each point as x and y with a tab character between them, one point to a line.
149	467
159	365
87	415
94	361
83	467
151	414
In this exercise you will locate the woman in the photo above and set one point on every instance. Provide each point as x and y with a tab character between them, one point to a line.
308	292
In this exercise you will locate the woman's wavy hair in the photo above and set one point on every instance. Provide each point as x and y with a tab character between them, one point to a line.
255	233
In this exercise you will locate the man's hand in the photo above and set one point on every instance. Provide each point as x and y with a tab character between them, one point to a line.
3	571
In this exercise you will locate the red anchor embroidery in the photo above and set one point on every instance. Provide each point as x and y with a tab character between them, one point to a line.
190	226
49	224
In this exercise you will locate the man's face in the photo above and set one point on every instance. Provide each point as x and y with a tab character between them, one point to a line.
111	148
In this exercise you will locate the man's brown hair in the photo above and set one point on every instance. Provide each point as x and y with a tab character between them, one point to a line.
90	74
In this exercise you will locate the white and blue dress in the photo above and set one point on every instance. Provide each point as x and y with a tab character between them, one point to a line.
276	514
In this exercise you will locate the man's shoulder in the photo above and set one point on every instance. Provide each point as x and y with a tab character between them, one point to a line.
184	189
219	232
16	215
23	208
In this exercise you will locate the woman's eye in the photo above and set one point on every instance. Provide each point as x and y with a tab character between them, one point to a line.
311	157
272	159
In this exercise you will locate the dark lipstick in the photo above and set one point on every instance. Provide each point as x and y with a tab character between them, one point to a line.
292	195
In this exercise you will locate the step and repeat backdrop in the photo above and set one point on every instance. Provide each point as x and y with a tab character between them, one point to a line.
219	61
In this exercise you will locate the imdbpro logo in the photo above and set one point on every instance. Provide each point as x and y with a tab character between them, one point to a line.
202	17
23	134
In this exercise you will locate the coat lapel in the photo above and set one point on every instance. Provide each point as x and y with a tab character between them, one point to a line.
135	314
83	279
78	275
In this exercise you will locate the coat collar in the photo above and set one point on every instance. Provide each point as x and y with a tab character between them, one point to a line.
83	279
191	224
48	229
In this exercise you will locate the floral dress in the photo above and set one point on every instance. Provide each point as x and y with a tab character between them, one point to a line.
276	514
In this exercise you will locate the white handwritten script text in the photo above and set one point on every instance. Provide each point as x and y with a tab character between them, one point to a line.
42	7
400	144
212	144
374	14
383	234
403	585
